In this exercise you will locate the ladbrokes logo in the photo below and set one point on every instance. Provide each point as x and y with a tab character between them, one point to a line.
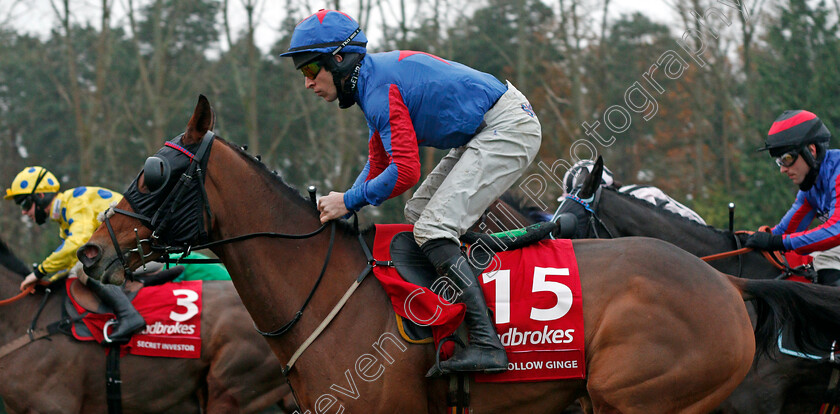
160	328
547	336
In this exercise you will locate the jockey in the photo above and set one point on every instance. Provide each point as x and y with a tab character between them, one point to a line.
412	99
798	140
36	190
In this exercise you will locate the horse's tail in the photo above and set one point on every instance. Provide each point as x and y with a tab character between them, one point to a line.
811	313
11	262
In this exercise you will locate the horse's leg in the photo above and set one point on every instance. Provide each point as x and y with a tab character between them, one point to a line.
670	335
244	376
672	368
586	404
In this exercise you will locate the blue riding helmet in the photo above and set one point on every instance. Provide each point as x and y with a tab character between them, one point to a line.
327	31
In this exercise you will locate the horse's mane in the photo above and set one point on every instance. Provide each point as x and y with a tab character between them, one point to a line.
668	213
281	186
12	262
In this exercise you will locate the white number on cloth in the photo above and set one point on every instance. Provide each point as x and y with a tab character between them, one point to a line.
502	279
540	284
187	301
563	293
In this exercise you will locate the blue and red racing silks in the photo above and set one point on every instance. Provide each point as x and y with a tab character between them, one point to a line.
818	202
413	99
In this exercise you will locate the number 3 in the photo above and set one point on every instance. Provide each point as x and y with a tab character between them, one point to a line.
187	301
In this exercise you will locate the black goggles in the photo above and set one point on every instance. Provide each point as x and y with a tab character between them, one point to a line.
787	159
311	69
25	201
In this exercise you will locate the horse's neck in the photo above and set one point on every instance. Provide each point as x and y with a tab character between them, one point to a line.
274	276
633	218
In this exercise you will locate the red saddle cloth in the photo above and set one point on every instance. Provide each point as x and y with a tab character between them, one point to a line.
535	296
173	321
417	304
795	260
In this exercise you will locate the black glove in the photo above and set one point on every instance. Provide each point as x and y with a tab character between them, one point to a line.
765	241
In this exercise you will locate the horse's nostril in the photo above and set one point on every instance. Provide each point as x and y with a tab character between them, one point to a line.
89	254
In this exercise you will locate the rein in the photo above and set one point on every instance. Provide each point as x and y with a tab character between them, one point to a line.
17	297
288	326
33	334
591	204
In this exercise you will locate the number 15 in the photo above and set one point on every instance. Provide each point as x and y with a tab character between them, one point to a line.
563	293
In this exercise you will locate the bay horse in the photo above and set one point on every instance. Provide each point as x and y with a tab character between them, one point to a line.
237	373
778	383
662	336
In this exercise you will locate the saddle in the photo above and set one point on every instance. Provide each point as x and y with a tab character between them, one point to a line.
81	295
413	265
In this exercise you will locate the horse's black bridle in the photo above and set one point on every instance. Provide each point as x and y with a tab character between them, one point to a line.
590	205
175	211
162	242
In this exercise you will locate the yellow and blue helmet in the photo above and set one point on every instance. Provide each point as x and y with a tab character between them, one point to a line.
32	180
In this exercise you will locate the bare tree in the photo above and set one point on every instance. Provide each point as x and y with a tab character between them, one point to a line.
246	84
571	37
87	107
8	12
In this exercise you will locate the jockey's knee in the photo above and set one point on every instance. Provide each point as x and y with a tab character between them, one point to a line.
412	212
425	231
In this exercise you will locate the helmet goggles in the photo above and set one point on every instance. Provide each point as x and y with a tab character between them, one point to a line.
787	159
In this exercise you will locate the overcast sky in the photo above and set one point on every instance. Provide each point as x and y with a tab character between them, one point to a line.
37	16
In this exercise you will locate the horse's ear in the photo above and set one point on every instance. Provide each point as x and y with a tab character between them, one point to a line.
203	120
592	180
598	169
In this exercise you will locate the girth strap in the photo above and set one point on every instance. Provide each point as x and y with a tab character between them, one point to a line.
458	397
113	388
24	340
34	335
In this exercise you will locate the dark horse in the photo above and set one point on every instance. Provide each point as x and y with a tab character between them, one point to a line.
662	336
236	373
778	383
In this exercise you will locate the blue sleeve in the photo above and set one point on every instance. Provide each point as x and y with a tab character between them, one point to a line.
820	238
797	218
394	159
353	198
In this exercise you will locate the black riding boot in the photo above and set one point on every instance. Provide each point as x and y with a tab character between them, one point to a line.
129	320
484	351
